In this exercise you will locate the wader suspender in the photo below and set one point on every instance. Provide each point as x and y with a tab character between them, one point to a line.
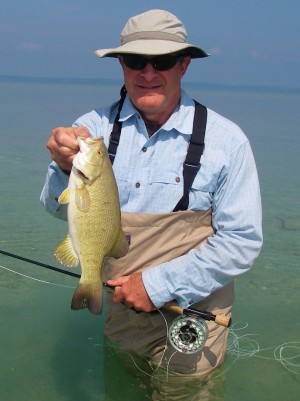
192	164
196	146
116	131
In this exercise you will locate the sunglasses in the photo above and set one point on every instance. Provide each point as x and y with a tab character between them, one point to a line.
159	63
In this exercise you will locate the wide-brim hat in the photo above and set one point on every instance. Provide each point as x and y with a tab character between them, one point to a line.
154	32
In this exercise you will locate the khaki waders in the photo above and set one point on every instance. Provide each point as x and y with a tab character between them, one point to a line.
155	239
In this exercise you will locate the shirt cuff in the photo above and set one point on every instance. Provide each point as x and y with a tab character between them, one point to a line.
154	283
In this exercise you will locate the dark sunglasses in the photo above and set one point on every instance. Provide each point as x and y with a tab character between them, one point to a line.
160	63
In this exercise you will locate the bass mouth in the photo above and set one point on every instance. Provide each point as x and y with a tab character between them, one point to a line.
79	173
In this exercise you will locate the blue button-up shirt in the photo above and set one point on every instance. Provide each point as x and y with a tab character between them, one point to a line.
148	172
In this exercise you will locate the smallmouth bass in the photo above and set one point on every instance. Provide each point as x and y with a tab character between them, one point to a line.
94	221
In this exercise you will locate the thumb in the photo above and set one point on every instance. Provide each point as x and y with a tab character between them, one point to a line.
118	282
81	131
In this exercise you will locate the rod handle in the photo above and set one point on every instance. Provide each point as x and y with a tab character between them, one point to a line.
173	307
223	320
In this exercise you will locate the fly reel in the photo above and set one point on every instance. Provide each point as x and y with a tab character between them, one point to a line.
188	334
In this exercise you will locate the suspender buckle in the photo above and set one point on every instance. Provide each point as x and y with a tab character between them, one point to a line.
196	166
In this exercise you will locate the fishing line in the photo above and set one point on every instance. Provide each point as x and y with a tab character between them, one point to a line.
168	364
155	367
35	279
166	344
244	346
77	276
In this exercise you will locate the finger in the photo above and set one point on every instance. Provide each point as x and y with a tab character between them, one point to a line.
119	281
63	145
62	155
81	131
63	138
118	295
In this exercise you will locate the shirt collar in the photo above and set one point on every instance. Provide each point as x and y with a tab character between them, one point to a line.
181	119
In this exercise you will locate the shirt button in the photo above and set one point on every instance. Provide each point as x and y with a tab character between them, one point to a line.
144	149
137	185
177	179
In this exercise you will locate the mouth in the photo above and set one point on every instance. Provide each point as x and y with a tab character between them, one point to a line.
148	87
79	173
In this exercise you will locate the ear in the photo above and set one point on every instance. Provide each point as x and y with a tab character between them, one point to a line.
184	64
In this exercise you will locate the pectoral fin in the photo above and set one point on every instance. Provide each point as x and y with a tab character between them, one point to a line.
121	246
82	198
65	253
64	197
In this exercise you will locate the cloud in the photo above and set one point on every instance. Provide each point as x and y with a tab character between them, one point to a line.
30	46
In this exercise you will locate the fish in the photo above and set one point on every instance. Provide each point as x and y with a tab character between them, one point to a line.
94	221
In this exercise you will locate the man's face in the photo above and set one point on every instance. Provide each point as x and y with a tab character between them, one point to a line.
155	93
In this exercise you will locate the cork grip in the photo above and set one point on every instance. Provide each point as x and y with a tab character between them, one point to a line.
222	320
173	307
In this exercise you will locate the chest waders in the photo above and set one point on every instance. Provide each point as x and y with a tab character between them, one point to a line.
156	239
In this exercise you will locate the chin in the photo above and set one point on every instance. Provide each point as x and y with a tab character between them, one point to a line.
150	101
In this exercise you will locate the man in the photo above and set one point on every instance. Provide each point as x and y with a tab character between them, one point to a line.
193	230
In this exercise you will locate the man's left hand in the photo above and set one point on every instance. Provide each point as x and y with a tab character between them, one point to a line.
131	291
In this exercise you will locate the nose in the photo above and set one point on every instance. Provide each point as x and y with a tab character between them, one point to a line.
149	72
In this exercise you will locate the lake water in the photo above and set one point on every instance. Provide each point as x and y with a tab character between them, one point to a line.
49	352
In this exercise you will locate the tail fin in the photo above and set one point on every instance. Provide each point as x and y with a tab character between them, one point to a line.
88	296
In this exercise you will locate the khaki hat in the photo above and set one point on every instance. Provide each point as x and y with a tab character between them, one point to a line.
154	32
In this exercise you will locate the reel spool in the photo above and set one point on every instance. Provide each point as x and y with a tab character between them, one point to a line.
188	334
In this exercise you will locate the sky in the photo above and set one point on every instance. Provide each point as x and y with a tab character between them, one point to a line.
253	42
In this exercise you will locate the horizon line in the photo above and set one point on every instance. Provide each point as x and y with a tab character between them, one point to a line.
110	81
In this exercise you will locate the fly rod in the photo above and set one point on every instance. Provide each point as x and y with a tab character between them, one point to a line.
34	262
187	333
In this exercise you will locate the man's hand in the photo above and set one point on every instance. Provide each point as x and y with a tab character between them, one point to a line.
131	291
63	145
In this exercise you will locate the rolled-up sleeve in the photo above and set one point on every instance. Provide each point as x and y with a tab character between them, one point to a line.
55	183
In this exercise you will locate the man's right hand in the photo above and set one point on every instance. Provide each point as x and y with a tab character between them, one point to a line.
63	145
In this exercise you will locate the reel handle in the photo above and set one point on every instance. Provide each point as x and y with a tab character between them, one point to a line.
222	320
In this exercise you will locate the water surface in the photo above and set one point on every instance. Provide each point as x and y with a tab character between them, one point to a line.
51	353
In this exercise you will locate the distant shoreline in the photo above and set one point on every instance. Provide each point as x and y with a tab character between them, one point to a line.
115	82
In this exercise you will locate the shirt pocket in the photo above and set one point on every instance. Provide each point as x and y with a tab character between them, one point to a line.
166	184
201	196
204	186
121	176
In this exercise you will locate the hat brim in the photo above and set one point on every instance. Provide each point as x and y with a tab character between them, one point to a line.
153	47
